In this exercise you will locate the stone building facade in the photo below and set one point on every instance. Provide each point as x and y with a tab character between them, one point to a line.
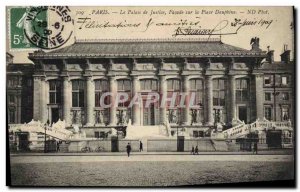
19	88
229	84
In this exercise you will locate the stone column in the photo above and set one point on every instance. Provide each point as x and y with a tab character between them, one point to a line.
186	109
43	103
36	98
209	100
259	96
136	109
232	98
163	92
67	100
90	101
113	109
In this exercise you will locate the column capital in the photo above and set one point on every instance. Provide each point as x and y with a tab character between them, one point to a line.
89	78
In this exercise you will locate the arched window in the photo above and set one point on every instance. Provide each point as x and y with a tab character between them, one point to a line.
78	87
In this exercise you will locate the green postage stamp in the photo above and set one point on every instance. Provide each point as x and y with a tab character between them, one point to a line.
46	27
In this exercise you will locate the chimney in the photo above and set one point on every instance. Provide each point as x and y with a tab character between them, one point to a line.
255	44
270	56
285	56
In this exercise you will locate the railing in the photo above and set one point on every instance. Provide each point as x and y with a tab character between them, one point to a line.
244	129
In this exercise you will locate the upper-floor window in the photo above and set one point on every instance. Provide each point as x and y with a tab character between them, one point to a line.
78	87
11	99
196	87
124	87
285	80
268	80
13	81
285	96
149	85
174	88
219	89
242	89
268	112
101	86
267	96
285	113
55	91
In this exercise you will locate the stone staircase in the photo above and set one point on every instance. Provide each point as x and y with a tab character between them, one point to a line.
243	129
57	130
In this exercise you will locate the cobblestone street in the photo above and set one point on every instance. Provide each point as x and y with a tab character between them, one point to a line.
148	170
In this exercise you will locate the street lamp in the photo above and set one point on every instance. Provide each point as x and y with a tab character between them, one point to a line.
45	138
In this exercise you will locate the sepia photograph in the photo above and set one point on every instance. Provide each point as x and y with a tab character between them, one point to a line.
150	96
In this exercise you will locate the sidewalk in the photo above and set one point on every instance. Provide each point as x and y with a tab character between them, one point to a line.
264	152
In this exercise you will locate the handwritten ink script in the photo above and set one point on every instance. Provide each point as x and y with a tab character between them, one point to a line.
183	26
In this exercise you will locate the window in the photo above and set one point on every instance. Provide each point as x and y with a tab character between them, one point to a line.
12	113
219	92
78	93
242	90
124	86
101	86
100	134
285	113
173	86
284	80
268	112
13	81
285	96
29	82
198	134
267	80
267	96
55	91
11	99
149	85
196	87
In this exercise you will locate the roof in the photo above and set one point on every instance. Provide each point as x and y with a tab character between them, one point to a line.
277	66
148	48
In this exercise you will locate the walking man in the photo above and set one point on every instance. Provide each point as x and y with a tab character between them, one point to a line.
141	146
57	146
193	150
128	147
255	148
196	150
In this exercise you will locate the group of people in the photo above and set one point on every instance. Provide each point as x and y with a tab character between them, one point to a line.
195	150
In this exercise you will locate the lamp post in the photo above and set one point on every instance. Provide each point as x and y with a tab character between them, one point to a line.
45	139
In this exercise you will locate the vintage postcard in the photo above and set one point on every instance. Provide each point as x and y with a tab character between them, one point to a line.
150	96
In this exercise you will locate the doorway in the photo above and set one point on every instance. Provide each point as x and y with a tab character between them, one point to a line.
180	143
149	115
54	115
114	144
274	139
243	113
23	141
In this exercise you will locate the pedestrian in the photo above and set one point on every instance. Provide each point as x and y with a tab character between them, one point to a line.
128	147
57	147
196	150
255	148
193	150
141	146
